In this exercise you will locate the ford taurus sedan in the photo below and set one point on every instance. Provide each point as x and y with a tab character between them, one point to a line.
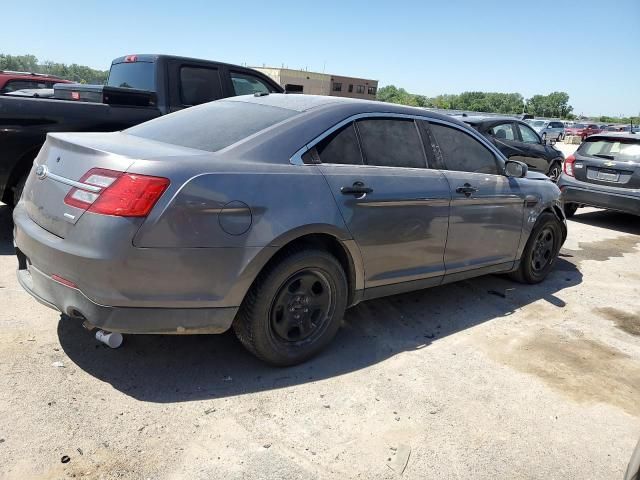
272	214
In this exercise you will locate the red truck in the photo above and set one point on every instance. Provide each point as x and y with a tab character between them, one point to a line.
11	81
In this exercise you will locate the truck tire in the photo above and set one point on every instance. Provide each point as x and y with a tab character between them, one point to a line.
295	307
541	250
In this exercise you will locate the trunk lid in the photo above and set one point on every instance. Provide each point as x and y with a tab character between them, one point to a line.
609	161
65	158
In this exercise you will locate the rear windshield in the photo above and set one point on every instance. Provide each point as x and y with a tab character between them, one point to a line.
211	126
138	75
538	123
623	149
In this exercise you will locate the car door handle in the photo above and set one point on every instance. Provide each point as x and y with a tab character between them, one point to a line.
357	190
466	189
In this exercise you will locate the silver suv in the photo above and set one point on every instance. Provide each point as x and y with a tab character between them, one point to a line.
548	130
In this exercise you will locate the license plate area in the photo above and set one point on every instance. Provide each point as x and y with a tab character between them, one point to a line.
607	175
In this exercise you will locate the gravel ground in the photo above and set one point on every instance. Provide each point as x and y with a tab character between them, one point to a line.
451	382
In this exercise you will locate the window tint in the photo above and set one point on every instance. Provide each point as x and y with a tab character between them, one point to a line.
528	135
244	84
13	85
503	132
391	143
462	152
139	75
340	147
212	126
199	85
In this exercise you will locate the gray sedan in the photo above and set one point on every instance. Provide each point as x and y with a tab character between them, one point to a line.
272	214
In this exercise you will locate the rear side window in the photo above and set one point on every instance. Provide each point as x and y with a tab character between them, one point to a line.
340	147
244	84
461	152
614	149
213	126
199	85
391	143
504	131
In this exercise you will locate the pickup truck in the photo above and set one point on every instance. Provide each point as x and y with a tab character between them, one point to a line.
139	88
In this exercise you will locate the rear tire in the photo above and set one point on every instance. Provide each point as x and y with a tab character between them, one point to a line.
554	171
294	309
541	250
570	209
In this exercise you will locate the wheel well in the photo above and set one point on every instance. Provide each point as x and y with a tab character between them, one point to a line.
23	166
557	211
325	242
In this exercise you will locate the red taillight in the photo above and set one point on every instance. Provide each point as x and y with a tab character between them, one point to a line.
120	194
568	165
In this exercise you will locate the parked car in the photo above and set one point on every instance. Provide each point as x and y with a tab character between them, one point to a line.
272	214
548	130
11	81
518	141
583	130
604	172
139	88
633	469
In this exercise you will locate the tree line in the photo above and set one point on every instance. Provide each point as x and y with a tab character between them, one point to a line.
554	105
74	72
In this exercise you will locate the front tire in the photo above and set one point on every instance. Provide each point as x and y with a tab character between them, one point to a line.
294	309
541	250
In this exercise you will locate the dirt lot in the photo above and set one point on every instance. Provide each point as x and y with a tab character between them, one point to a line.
452	382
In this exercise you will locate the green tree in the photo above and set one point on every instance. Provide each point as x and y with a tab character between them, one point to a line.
74	72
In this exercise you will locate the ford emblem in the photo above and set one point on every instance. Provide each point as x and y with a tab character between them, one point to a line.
41	171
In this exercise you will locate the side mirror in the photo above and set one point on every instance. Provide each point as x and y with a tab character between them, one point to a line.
515	169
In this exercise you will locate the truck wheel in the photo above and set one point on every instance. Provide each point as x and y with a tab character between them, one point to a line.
555	171
18	188
570	209
541	250
294	309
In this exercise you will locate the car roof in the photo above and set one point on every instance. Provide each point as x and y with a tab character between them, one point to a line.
306	103
478	120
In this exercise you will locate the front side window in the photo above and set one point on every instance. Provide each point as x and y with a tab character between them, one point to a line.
340	147
462	152
199	85
244	84
528	135
391	143
337	86
503	131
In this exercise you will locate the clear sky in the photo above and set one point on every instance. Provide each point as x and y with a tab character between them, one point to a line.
590	49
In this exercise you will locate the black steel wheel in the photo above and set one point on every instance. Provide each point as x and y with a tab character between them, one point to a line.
295	307
541	250
302	306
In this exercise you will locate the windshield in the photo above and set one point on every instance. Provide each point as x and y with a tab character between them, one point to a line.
623	149
211	126
138	75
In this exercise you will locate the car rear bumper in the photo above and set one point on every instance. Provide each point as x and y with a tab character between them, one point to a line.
574	191
74	303
127	289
